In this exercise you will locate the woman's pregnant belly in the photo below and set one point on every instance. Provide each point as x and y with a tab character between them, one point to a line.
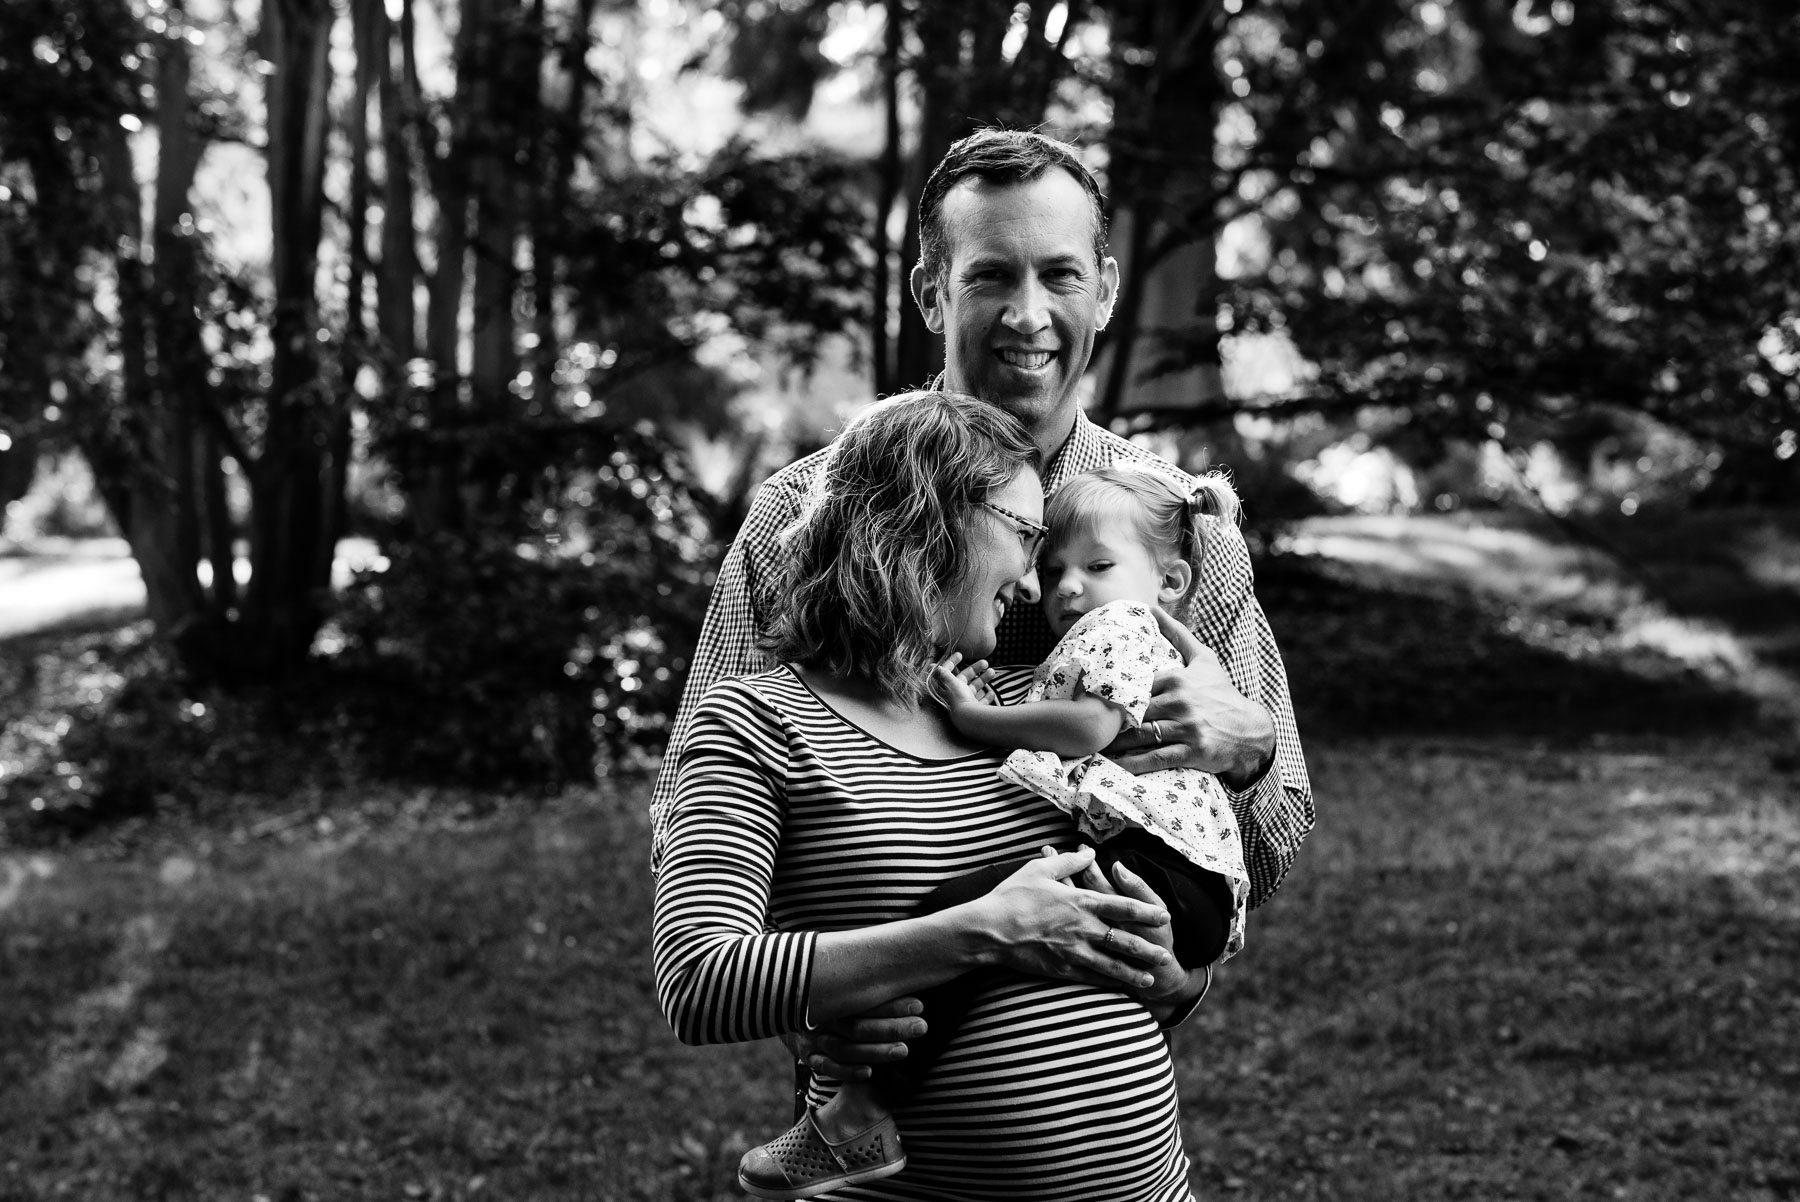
1049	1091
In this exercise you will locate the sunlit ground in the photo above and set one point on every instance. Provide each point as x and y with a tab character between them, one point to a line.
55	583
1694	600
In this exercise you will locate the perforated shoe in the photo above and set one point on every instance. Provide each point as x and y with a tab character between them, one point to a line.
802	1163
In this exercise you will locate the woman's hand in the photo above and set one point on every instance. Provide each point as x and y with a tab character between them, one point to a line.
1173	986
1197	719
1037	921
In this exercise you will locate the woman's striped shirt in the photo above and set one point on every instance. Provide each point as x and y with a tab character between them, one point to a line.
787	820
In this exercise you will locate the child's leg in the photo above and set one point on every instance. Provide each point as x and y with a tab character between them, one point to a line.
851	1138
1199	901
945	1005
892	1085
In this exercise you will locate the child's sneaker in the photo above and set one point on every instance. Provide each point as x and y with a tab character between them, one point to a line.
802	1163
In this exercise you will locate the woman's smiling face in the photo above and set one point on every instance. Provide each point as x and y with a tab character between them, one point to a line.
1000	570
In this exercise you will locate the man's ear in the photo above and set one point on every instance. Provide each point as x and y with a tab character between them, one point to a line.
1109	291
928	291
1176	576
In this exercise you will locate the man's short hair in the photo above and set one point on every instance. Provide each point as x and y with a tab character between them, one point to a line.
1004	157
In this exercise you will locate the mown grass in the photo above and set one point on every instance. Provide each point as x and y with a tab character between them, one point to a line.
436	1012
1542	946
1507	973
1500	972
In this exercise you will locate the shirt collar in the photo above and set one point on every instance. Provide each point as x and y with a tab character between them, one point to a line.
1080	451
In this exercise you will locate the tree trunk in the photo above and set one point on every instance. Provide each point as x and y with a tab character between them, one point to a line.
497	105
398	316
560	147
369	45
919	354
435	504
145	466
288	585
887	191
1164	230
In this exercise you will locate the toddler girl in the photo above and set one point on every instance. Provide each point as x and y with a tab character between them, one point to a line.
1122	539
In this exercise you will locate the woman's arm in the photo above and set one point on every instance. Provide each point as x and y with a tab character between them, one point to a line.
721	977
1033	922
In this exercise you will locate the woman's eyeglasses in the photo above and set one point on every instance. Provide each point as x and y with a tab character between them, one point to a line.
1031	534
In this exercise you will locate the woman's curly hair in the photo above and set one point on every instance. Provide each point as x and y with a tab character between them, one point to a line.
885	534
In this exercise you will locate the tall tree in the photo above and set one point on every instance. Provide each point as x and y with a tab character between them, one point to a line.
1504	222
1168	194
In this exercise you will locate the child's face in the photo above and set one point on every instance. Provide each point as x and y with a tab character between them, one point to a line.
1105	560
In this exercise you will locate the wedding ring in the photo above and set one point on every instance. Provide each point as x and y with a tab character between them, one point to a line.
1108	941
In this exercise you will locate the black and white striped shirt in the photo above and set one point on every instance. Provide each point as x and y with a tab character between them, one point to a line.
786	820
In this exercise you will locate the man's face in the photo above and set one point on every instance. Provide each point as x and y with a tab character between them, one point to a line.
1021	298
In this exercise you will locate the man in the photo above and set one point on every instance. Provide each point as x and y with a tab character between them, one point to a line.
1014	273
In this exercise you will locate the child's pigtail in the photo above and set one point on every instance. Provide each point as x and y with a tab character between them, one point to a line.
1212	496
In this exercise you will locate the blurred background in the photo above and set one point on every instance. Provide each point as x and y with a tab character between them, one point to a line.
382	380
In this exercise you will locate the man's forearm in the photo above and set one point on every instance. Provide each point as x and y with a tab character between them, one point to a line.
1250	733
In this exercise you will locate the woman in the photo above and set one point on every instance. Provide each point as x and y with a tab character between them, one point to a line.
817	802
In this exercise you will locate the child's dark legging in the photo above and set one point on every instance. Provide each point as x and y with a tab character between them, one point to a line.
1199	905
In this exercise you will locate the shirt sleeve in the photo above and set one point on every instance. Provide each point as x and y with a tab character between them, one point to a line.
736	618
721	975
1275	814
1186	1010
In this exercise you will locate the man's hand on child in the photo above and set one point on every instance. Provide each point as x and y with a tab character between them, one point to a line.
1197	719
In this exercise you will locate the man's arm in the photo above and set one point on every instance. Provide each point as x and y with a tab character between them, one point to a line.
1237	700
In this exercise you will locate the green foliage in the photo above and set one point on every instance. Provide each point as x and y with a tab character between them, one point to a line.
543	638
1531	225
62	502
70	73
105	727
771	246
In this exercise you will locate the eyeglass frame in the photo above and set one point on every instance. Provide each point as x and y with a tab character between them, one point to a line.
1037	531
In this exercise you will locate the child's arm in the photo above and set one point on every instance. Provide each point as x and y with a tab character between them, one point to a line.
1076	727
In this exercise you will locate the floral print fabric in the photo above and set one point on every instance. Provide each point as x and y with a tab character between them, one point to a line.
1113	653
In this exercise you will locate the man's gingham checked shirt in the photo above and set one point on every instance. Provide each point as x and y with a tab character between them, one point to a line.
1274	815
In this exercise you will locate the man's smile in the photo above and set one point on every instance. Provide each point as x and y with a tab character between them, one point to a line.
1025	359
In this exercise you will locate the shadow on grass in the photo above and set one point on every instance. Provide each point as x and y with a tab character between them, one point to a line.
449	1014
1740	568
1507	976
1366	660
1524	974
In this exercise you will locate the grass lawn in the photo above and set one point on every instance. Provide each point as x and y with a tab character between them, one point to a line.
1499	973
1542	946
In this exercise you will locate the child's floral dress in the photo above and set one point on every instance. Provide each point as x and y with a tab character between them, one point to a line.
1113	653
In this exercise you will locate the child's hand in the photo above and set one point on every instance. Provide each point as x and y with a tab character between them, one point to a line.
956	684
